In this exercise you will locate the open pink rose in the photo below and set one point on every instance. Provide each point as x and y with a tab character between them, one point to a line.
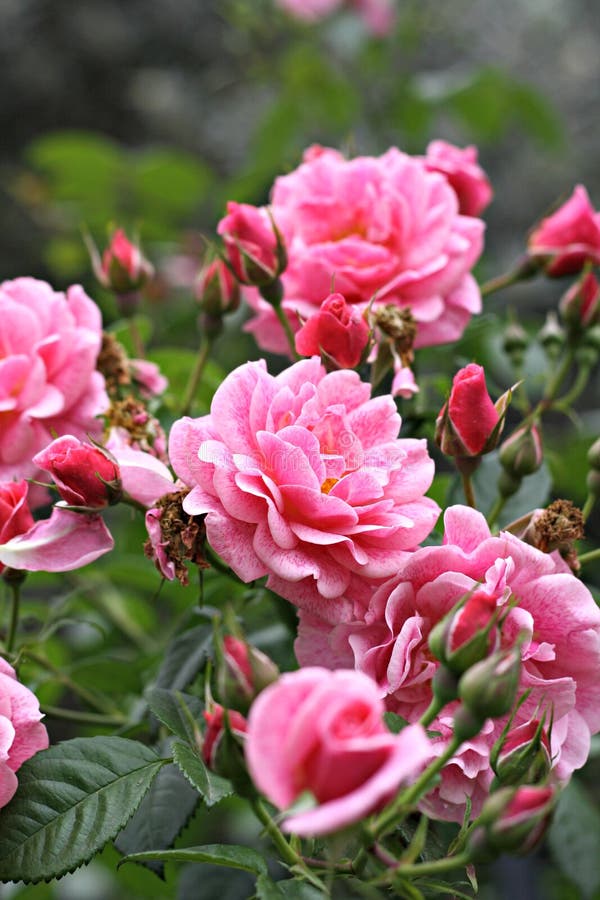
555	614
302	478
464	175
49	386
387	230
336	330
323	732
15	515
21	732
568	238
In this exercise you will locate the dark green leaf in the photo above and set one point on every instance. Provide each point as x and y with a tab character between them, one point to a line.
161	816
210	882
212	787
185	656
575	839
72	799
175	710
394	722
231	855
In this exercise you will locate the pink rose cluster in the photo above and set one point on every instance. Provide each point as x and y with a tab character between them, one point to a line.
549	610
323	732
302	478
377	15
390	230
49	345
21	732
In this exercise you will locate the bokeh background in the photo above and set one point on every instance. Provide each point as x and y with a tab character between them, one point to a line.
152	114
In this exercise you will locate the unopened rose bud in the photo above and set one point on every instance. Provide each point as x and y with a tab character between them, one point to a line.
580	306
513	820
253	244
337	332
85	475
467	634
123	268
522	755
470	424
593	455
15	515
569	238
245	672
488	688
521	454
552	336
217	291
223	744
514	342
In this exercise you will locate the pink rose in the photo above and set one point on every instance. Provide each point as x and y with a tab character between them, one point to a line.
464	174
148	378
251	243
387	229
48	380
83	474
336	330
302	478
568	238
467	422
123	268
217	291
15	515
580	306
517	819
554	612
323	732
21	732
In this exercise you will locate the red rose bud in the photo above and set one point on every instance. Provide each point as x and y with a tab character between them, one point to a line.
217	290
568	239
521	454
123	268
514	820
253	244
245	672
580	306
467	634
337	332
488	688
470	424
222	748
84	475
15	515
522	755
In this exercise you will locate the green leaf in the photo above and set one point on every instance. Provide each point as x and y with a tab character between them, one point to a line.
207	882
168	185
574	838
185	656
292	888
231	855
160	817
212	787
72	799
394	722
175	710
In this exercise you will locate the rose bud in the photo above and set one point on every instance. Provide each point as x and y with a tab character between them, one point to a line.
245	671
253	244
15	515
124	268
521	454
465	176
467	634
224	738
569	238
217	291
336	332
513	821
522	755
552	336
580	306
85	476
489	687
470	424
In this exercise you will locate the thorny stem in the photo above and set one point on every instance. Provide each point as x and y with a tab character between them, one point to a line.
195	377
285	324
286	852
427	868
588	506
590	556
496	510
136	338
469	490
501	282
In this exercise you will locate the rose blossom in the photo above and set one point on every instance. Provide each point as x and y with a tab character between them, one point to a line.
568	238
21	732
554	613
15	516
49	386
323	732
464	174
302	478
385	228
